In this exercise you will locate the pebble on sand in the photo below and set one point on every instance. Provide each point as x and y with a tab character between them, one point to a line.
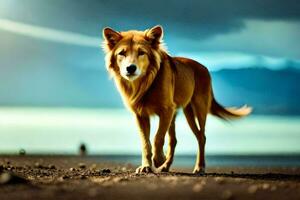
82	165
65	176
119	179
106	170
62	178
51	166
82	176
93	167
170	178
72	169
107	184
10	178
198	187
220	180
265	186
38	165
252	189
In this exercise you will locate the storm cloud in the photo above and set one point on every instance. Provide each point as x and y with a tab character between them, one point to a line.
191	19
258	27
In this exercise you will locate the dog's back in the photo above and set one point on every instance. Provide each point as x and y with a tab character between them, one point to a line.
192	76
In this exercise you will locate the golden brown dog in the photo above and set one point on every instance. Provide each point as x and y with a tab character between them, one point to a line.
152	82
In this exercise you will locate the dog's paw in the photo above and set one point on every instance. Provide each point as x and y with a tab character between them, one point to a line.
159	160
163	168
199	170
143	169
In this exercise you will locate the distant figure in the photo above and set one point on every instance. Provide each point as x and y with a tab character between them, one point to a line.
22	152
82	149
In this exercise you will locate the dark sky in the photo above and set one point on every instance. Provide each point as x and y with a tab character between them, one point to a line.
201	29
189	18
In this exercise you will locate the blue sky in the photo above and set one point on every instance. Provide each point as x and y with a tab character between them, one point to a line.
217	33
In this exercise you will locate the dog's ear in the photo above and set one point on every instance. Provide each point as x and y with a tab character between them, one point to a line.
154	35
111	37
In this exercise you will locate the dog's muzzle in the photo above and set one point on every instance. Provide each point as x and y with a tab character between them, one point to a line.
131	70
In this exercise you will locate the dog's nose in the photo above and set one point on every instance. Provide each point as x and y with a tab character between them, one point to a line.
131	68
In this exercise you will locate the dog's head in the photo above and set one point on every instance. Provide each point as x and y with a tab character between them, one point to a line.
132	54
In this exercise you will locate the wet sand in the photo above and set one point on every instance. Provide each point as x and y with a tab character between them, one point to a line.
70	177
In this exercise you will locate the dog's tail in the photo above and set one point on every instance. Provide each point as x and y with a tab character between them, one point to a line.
228	113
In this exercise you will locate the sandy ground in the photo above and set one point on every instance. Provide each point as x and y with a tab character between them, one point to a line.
70	177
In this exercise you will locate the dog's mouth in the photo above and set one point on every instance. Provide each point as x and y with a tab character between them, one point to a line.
131	76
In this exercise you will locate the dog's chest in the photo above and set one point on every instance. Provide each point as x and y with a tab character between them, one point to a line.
154	102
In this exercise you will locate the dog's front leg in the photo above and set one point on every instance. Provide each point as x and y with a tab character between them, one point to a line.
165	119
144	130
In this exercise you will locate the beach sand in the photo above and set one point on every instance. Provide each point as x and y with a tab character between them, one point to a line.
71	177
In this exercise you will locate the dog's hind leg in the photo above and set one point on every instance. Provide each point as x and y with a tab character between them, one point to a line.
171	148
190	113
144	129
165	119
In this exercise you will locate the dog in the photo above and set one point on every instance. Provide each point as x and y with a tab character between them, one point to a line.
151	82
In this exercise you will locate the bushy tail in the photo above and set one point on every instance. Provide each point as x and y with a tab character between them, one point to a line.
228	113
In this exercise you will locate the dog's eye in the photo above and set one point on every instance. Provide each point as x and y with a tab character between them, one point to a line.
122	53
141	53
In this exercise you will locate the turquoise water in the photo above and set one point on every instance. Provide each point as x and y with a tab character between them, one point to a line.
104	131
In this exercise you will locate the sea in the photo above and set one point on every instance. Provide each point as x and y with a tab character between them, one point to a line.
256	140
